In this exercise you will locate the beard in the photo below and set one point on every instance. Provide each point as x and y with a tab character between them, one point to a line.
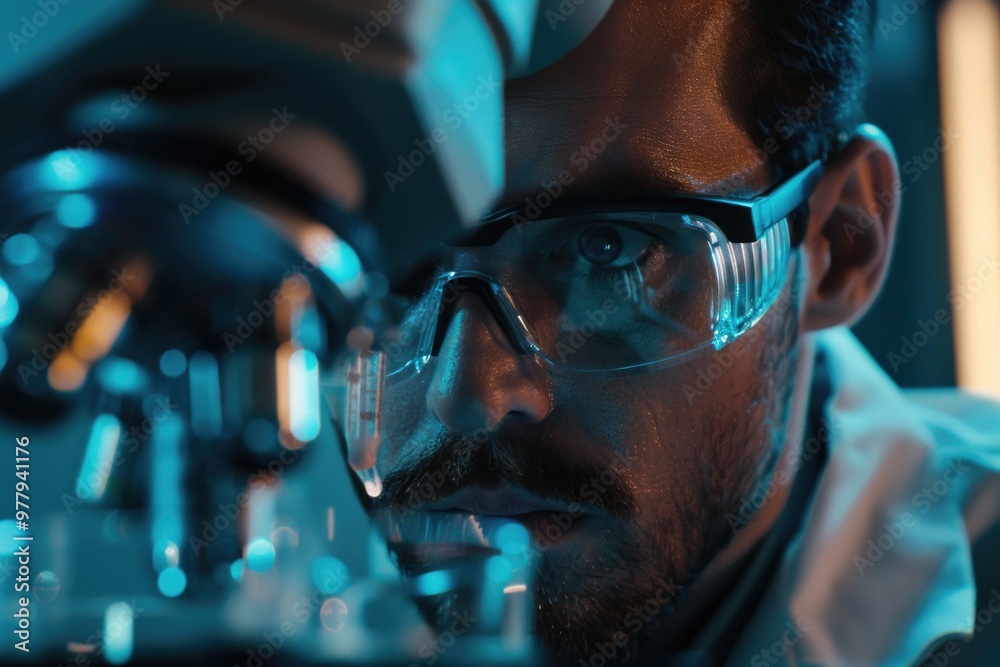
612	594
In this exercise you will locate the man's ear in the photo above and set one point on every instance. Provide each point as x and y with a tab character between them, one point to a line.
852	225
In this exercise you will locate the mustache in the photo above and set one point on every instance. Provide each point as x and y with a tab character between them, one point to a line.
509	456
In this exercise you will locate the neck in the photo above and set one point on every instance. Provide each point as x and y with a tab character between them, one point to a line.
724	569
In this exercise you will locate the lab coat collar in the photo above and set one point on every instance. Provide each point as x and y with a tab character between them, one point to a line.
881	570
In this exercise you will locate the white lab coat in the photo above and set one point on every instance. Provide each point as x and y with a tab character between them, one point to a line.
881	570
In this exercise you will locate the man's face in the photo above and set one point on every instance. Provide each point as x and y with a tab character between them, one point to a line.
641	470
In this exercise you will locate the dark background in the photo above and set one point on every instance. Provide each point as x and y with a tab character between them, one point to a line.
903	100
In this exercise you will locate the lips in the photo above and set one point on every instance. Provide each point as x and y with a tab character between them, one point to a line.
548	529
508	501
472	516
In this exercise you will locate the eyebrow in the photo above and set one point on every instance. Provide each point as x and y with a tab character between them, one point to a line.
741	185
741	220
634	183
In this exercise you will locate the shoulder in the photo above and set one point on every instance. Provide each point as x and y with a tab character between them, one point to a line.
967	428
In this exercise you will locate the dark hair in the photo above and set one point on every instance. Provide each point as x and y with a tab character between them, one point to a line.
798	72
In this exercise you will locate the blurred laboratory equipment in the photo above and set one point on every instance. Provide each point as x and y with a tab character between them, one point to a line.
201	200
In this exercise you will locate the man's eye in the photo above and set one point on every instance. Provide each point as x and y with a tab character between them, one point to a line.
603	245
600	244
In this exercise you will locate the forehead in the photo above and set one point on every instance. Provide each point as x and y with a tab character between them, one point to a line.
639	105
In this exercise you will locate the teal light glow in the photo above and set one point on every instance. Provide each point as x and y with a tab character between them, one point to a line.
236	570
343	266
329	575
167	504
76	211
119	633
304	398
307	329
206	400
21	249
8	304
260	555
512	538
499	570
172	582
120	375
434	582
173	363
8	529
68	170
99	458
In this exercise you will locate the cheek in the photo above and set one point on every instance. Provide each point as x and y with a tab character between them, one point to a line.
405	421
685	427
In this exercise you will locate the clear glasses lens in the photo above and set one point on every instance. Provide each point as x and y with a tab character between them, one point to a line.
608	292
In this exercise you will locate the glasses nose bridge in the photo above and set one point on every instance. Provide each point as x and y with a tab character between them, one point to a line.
456	284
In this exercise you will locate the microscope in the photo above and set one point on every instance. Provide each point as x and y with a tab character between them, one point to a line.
202	201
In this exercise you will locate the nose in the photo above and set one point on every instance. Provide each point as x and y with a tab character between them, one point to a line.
479	379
